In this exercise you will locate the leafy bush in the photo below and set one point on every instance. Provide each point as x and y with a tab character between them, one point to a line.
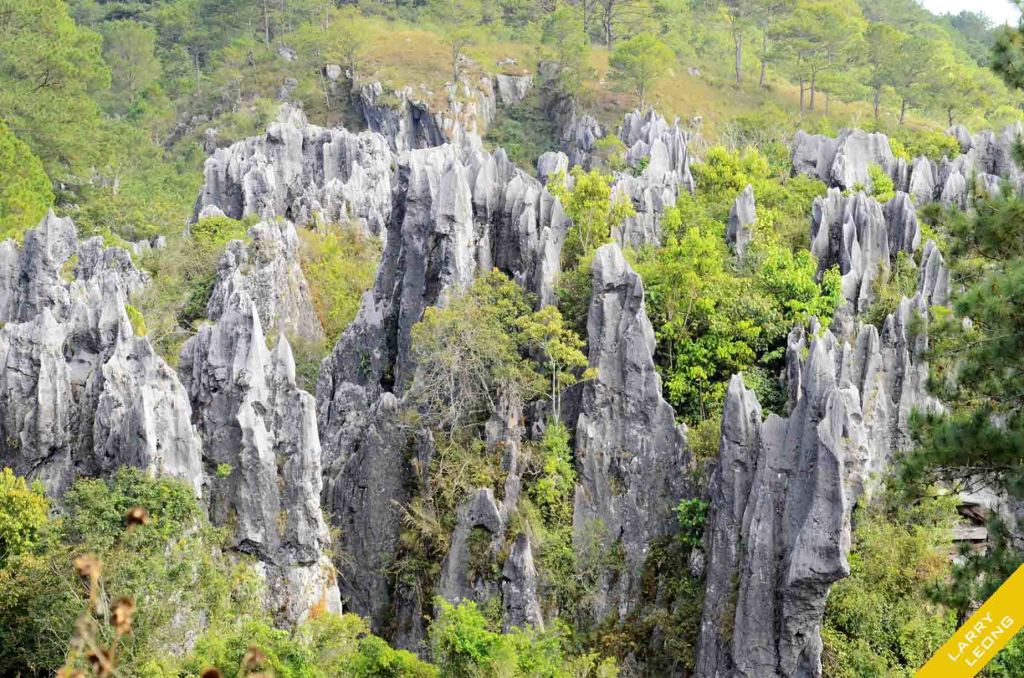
163	555
592	209
325	646
339	262
525	130
183	275
880	620
882	187
464	646
137	321
23	510
692	514
25	191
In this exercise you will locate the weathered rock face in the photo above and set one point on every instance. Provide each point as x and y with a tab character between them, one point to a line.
781	496
303	173
742	216
579	134
933	279
458	212
856	234
267	270
843	161
649	137
513	88
986	158
630	452
407	122
80	394
262	455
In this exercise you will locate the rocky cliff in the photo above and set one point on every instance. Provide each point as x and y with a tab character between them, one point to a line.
630	453
80	393
303	173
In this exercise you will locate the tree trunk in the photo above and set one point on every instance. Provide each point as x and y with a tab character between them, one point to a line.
266	24
949	116
878	98
802	95
763	82
738	40
195	62
814	78
608	31
903	110
826	104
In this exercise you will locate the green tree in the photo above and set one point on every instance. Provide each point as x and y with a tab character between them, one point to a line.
23	515
469	354
639	62
129	49
880	620
883	49
25	191
49	70
560	347
594	212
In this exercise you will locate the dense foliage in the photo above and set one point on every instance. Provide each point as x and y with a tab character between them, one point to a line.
716	314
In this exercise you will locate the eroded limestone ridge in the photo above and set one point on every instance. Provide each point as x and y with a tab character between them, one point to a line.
782	492
80	393
631	455
303	173
984	163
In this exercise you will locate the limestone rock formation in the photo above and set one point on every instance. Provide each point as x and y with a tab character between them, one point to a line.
579	135
778	530
461	211
408	122
303	173
856	234
630	453
262	453
513	88
844	161
742	216
519	587
933	279
80	394
648	137
267	270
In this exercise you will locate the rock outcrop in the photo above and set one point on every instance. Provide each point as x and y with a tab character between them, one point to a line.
649	138
630	453
262	454
844	161
459	212
80	393
408	122
985	162
856	234
266	269
303	173
742	216
781	495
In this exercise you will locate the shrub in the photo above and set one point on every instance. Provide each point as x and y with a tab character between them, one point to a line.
879	620
138	323
23	515
339	262
166	558
25	191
